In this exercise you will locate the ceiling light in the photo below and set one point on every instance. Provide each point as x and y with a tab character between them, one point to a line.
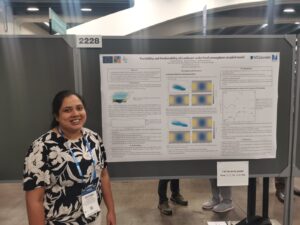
86	9
289	10
297	23
264	25
47	24
33	9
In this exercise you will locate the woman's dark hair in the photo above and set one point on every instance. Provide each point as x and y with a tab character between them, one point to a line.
57	102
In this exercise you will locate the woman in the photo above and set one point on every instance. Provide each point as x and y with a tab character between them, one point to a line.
65	170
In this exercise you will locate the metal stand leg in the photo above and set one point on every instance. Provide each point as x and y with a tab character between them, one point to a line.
252	219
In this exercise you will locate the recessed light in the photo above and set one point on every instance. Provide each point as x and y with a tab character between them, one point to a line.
86	9
47	24
289	10
297	23
264	25
33	9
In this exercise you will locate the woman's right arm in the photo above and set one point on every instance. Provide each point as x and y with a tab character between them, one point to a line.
35	207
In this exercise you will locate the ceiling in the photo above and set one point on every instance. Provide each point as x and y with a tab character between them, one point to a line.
69	7
242	19
245	19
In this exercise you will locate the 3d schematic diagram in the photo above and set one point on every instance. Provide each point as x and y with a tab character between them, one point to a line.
178	87
178	123
120	97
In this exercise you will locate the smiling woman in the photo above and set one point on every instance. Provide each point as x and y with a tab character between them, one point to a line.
70	116
65	171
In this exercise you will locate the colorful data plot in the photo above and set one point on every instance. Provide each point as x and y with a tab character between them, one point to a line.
202	86
179	137
202	137
202	99
202	122
179	100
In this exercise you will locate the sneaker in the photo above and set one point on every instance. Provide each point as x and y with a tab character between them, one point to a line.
178	199
165	209
210	204
223	207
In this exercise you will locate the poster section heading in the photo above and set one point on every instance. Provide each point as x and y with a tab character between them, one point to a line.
189	106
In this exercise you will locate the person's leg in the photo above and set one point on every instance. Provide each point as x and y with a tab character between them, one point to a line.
280	188
163	204
225	193
226	202
296	187
215	190
174	185
279	183
215	200
162	190
176	197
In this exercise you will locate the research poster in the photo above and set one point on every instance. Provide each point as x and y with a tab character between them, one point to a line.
189	106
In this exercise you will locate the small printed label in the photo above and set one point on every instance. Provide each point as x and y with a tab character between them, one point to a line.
88	41
233	173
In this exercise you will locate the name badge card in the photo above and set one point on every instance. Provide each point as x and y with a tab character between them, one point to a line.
233	173
90	202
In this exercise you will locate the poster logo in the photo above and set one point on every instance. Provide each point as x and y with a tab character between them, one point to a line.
274	57
107	59
114	59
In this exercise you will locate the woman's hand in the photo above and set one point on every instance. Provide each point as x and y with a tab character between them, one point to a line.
111	218
108	199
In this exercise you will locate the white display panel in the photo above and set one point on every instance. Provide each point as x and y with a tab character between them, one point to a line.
189	106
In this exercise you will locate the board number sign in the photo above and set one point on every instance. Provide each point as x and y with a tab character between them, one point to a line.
88	41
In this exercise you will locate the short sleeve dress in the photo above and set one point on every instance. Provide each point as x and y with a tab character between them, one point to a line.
49	164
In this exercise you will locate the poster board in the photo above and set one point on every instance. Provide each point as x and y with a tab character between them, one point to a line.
187	45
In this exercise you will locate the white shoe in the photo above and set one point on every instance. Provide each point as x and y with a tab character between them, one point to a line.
210	204
223	207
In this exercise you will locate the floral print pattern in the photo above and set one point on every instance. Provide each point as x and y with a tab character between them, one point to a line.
49	164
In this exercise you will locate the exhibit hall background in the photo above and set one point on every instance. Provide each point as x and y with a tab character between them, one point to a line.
28	88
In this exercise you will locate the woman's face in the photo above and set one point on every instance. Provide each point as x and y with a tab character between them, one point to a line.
72	114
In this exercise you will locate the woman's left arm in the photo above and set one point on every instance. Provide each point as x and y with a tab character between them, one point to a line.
108	198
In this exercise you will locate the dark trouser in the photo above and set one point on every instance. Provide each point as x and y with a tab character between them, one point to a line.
280	184
162	189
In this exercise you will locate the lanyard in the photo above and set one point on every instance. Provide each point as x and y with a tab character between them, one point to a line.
89	150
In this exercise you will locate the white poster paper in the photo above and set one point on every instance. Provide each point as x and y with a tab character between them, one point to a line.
216	223
233	173
189	106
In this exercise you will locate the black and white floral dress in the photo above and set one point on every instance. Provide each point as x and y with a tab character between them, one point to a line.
49	164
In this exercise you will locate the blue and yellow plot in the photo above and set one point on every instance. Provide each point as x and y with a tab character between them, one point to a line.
202	122
179	100
202	86
202	137
202	99
179	137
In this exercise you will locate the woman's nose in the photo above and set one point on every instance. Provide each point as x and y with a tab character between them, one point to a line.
75	112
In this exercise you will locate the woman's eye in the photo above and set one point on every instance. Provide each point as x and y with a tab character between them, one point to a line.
79	108
67	110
